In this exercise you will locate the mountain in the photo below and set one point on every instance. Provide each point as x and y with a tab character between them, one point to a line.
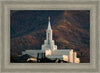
71	30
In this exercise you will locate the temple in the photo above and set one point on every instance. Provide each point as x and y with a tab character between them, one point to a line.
51	51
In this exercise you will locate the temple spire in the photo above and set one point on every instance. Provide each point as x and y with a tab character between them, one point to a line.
49	26
49	42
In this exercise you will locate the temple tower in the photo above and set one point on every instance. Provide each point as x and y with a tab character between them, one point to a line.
49	34
49	43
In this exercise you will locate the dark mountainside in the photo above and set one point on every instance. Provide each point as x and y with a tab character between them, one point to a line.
71	30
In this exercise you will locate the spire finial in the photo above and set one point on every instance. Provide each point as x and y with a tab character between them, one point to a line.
49	26
49	18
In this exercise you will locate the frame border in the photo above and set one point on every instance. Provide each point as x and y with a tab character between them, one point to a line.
6	6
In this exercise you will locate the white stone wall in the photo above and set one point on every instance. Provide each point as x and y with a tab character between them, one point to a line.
47	52
70	60
61	52
66	55
76	60
53	57
45	46
65	58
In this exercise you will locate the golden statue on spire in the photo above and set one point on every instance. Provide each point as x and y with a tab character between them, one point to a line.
49	18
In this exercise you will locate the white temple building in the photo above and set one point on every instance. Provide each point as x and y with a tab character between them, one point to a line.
51	51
